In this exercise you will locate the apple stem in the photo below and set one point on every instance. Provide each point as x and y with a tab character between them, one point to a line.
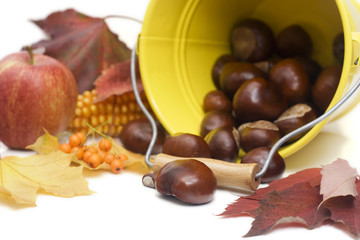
30	51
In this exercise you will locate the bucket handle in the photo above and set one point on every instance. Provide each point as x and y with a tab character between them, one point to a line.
143	108
355	36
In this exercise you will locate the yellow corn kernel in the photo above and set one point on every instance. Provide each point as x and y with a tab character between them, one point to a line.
94	121
86	112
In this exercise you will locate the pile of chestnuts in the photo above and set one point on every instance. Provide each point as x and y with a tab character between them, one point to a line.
267	87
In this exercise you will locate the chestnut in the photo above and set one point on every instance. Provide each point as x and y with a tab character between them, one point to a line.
189	180
293	118
290	78
234	74
325	86
258	99
215	119
136	136
252	40
218	67
259	155
258	134
216	100
186	145
224	143
311	67
266	65
339	48
293	41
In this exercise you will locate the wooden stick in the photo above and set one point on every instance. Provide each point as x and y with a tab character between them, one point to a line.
227	174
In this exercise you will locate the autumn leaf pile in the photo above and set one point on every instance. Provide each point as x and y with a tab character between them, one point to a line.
309	197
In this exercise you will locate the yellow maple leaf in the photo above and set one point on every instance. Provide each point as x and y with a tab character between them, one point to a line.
45	144
135	162
22	178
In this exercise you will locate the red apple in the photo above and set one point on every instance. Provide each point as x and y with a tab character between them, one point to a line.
37	93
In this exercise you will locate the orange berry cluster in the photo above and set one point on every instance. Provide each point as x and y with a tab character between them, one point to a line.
91	155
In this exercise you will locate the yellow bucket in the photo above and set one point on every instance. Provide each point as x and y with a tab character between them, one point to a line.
181	39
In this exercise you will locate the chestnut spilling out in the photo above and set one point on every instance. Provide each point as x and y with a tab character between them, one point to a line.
190	181
267	87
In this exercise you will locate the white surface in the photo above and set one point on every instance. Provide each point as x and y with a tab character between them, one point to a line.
122	208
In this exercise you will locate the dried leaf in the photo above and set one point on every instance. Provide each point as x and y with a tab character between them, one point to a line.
248	204
243	206
116	80
297	199
298	204
22	178
135	162
84	44
45	144
338	179
346	210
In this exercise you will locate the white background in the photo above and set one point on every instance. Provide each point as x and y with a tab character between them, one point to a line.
122	208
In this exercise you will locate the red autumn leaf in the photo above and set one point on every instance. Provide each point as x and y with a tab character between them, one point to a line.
247	205
311	176
297	199
116	80
346	210
296	204
338	179
84	44
243	206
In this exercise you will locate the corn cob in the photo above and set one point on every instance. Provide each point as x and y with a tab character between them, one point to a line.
112	113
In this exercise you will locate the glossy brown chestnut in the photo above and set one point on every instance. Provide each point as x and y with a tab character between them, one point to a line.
258	134
339	48
218	67
293	118
186	145
289	76
215	119
266	65
234	74
325	86
190	181
252	40
136	136
294	41
258	99
259	155
311	67
216	100
224	143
